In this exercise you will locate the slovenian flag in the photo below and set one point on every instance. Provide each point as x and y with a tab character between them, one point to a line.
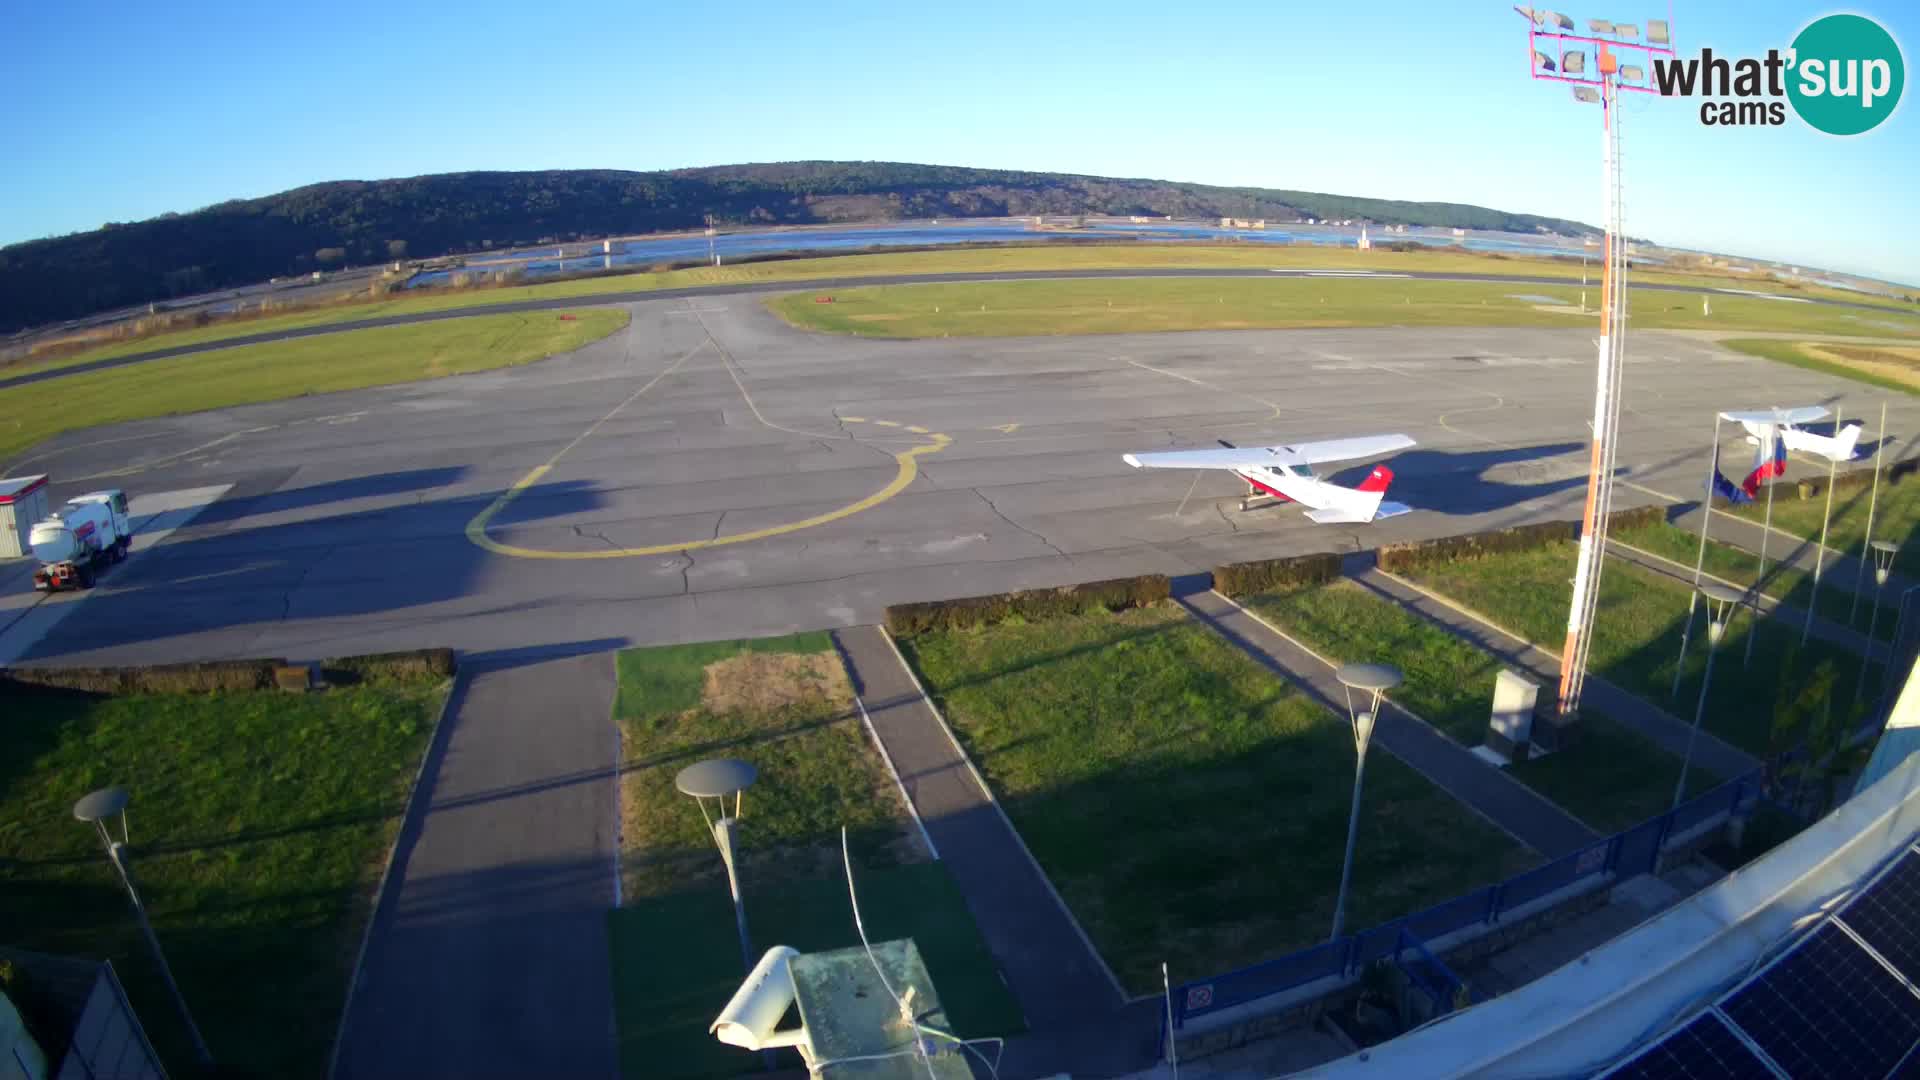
1766	467
1723	487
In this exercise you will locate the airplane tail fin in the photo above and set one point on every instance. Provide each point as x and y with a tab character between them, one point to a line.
1377	480
1844	441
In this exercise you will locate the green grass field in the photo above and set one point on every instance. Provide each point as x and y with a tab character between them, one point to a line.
1896	517
255	373
972	260
1132	305
1636	639
1796	354
783	704
676	960
1782	582
1612	779
259	824
1188	805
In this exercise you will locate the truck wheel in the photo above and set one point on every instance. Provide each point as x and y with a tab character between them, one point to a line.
120	550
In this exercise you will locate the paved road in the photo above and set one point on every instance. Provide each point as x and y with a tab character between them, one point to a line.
731	289
346	528
1511	806
1052	970
489	956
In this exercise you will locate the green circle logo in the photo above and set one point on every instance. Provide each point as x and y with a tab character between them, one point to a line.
1847	74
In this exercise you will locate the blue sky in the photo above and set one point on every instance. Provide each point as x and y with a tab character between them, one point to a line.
123	112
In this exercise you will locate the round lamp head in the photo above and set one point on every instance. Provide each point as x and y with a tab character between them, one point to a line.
1373	678
716	778
101	805
1720	602
1883	553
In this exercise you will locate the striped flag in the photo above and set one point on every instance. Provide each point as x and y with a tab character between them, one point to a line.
1767	466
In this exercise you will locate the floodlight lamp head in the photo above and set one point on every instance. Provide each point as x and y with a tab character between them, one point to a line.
1599	26
1573	62
1657	32
1626	31
1541	61
1556	20
1586	94
1633	73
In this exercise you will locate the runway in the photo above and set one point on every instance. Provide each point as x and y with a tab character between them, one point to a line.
711	472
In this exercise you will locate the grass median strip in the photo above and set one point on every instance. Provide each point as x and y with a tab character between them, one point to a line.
1133	305
784	705
1189	806
259	824
1896	517
1783	582
1611	779
1009	258
1636	641
256	373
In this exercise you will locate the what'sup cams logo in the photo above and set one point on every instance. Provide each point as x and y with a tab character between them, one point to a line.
1842	75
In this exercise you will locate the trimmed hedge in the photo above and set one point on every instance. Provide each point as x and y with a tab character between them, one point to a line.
905	620
1446	549
199	678
1239	579
408	665
1395	558
1854	479
212	675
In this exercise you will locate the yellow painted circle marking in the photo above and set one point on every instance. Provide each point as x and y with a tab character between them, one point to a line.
906	469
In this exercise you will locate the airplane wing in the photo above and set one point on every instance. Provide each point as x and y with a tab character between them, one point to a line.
1803	414
1315	453
1255	457
1245	457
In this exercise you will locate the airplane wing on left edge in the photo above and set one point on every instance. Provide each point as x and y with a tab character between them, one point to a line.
1243	458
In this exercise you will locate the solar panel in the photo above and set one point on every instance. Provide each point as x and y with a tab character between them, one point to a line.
1887	916
1828	1009
1704	1049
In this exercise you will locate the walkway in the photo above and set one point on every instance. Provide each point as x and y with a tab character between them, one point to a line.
1054	972
1628	710
1839	569
1824	629
1517	809
488	954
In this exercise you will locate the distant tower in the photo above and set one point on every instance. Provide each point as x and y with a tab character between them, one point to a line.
1366	244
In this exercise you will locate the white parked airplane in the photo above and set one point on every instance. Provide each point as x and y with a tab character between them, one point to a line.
1763	424
1285	473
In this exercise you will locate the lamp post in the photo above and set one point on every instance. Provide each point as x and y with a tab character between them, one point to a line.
716	779
1372	680
95	809
1721	600
1883	552
1556	53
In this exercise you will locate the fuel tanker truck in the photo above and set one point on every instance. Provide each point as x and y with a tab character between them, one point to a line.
79	540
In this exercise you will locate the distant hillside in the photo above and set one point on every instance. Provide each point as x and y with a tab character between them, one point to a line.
358	222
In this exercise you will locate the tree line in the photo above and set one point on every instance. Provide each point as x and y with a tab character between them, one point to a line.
358	222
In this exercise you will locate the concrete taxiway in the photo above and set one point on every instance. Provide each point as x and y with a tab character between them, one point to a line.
712	472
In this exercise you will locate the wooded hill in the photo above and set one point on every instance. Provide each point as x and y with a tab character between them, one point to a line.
356	222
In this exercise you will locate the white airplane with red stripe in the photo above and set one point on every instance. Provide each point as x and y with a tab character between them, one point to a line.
1763	424
1285	474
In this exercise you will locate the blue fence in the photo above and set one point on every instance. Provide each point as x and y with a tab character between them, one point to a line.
1622	855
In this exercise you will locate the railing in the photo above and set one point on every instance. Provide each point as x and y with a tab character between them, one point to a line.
1623	855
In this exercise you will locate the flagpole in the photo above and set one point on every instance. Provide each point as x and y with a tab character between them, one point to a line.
1860	578
1820	553
1700	561
1774	449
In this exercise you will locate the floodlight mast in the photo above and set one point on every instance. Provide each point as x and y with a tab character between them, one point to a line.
1549	34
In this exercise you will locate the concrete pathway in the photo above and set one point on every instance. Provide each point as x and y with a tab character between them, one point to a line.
1053	970
1517	809
1628	710
1823	629
1839	570
488	953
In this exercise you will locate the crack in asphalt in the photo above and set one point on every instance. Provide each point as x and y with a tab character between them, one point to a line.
581	532
996	510
1220	508
686	585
